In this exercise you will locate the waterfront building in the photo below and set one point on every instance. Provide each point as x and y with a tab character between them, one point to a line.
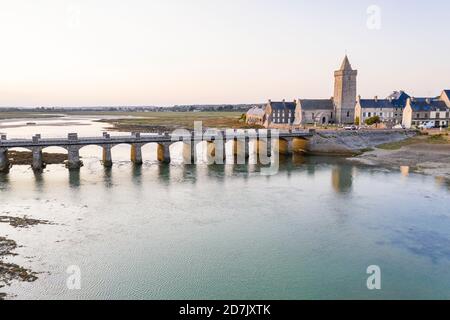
389	110
279	114
255	116
427	110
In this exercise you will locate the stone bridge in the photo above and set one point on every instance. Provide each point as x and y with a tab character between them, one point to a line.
286	143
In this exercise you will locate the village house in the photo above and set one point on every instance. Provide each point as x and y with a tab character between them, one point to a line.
389	110
255	116
434	111
279	114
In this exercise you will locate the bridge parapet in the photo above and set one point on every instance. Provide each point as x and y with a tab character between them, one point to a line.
73	143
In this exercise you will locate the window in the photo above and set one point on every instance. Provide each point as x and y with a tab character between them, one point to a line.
348	114
364	114
369	114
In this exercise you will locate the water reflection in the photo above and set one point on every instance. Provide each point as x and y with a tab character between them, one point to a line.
74	178
39	180
342	178
107	177
443	182
136	174
404	170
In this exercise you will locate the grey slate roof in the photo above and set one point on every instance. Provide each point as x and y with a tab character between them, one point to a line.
346	64
379	104
282	106
317	104
424	104
398	98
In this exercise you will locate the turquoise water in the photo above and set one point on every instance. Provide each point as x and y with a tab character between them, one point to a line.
173	232
226	232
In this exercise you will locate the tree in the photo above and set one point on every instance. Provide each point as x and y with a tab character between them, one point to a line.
373	120
357	121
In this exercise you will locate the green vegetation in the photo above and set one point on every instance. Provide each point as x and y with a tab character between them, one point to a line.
373	120
27	115
433	139
151	121
357	121
438	138
364	150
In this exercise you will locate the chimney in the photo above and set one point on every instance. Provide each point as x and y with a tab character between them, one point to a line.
376	98
412	99
284	100
428	100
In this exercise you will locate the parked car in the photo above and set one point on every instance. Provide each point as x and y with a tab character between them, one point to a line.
427	125
351	128
398	126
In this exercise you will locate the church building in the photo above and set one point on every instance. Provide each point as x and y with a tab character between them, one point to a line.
338	109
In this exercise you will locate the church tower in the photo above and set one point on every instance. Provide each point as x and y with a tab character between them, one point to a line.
345	93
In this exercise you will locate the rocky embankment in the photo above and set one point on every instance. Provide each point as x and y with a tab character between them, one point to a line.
353	142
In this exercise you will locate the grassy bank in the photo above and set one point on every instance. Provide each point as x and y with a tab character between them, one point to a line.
148	122
426	139
27	115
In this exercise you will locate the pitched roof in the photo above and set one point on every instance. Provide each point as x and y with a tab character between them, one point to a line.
256	111
379	103
426	104
282	105
346	64
317	104
447	93
398	98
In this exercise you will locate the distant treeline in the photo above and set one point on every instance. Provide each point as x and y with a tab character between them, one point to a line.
184	108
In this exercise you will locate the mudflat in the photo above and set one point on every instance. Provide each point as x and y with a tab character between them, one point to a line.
422	154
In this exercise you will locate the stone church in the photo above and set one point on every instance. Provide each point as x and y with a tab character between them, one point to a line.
339	109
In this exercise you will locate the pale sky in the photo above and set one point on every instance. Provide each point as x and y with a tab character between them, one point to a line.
166	52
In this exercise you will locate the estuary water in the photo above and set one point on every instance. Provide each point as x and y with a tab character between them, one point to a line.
224	232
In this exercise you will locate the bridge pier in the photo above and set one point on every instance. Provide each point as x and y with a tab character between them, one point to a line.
136	153
188	152
219	151
74	161
299	145
38	161
4	161
107	157
163	151
242	150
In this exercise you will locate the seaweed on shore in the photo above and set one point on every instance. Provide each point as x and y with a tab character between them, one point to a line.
10	271
26	157
22	222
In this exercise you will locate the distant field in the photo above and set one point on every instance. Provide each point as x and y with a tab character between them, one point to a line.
27	115
149	121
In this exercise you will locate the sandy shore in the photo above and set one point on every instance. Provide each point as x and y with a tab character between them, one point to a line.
421	154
